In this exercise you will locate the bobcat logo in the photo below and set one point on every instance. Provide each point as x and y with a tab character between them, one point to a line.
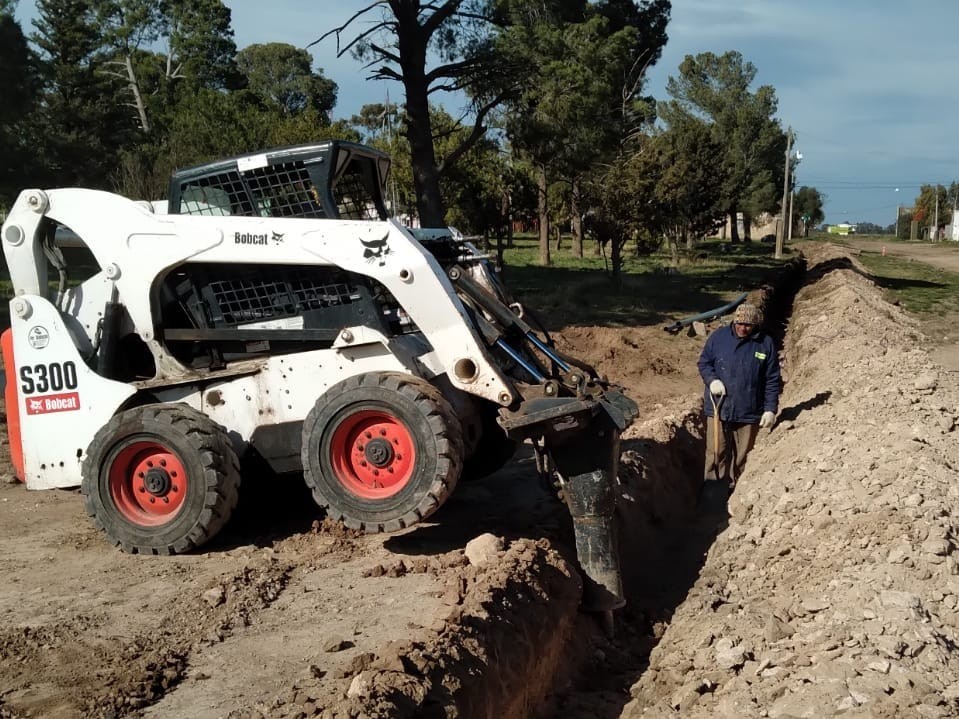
36	405
376	250
277	238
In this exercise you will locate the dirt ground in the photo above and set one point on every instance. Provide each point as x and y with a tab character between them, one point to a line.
943	330
832	589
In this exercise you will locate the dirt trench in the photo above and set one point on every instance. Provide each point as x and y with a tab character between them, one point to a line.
830	590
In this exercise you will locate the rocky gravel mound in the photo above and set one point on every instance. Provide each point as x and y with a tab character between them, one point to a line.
833	589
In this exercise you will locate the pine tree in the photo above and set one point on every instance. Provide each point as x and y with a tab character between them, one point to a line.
82	120
18	88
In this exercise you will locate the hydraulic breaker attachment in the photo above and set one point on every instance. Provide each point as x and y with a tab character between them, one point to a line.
581	436
572	416
589	464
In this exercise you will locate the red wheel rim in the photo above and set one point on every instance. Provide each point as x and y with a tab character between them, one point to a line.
372	453
148	483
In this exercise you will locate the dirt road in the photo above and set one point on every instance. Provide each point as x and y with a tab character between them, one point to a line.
944	255
942	329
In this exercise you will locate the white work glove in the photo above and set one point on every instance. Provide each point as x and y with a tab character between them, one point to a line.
717	388
767	419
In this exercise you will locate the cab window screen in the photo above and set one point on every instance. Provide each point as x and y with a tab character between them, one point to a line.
284	190
354	193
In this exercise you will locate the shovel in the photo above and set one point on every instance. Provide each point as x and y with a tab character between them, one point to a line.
717	429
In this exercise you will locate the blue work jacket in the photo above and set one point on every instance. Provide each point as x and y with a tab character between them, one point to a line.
749	367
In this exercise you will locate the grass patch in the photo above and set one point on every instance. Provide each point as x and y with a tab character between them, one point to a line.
920	288
650	291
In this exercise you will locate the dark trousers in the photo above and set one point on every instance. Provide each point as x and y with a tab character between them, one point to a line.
735	441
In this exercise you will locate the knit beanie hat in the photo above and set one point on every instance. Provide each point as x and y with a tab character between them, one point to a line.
749	313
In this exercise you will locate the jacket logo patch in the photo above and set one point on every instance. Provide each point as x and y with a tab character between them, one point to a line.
760	355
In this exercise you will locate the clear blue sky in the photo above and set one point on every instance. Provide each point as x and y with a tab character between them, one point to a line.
868	86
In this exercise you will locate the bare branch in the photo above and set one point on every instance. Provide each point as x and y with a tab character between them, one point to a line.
453	69
440	15
479	129
338	30
385	73
385	53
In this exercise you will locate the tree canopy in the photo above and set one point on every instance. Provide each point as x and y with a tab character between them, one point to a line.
283	75
716	89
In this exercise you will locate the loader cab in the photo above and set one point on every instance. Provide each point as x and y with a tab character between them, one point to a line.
334	180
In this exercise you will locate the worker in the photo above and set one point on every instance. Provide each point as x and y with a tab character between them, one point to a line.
740	368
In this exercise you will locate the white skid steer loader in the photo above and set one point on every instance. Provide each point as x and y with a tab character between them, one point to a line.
273	307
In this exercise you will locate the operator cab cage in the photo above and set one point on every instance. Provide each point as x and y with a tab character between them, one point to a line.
334	180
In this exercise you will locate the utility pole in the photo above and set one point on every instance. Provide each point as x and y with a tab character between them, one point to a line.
792	199
781	235
935	222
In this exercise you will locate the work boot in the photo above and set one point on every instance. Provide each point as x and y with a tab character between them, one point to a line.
713	496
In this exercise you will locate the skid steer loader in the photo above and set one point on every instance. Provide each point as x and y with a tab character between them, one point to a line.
272	306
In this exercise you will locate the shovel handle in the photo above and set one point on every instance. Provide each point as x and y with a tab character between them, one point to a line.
717	428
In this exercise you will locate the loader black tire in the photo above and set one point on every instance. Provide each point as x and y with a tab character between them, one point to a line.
381	451
160	479
492	452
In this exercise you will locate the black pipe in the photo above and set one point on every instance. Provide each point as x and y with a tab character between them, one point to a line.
703	316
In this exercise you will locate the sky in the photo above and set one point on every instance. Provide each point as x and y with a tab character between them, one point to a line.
869	87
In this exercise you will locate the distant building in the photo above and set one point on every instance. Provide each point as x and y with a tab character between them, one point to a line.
765	224
954	227
843	228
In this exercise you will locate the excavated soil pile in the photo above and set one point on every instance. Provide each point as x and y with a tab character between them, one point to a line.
833	589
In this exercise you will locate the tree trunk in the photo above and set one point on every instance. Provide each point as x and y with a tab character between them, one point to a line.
747	228
543	207
576	222
558	231
616	256
137	97
419	128
733	227
689	239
